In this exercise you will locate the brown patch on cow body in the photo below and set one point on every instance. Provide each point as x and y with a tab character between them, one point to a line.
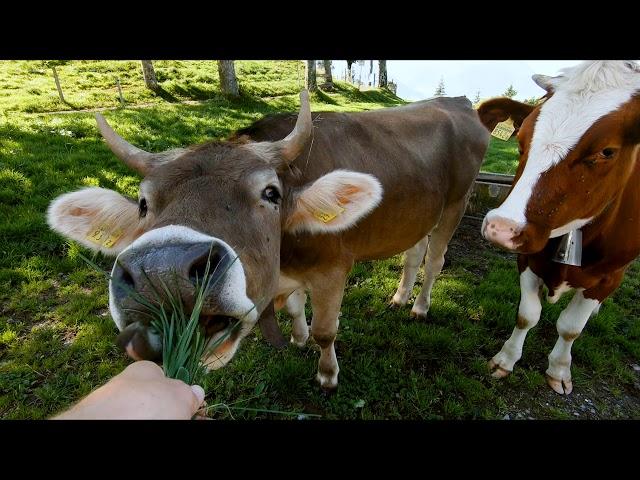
568	337
522	322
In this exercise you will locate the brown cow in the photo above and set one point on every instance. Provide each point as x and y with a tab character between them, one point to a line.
282	196
579	168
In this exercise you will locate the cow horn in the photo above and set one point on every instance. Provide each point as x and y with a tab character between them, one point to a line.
132	156
544	81
291	146
270	328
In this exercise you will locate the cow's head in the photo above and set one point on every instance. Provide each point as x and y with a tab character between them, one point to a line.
577	149
229	202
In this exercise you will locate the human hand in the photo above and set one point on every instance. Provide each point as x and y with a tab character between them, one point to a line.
140	392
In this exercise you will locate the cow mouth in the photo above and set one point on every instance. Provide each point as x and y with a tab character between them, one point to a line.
219	328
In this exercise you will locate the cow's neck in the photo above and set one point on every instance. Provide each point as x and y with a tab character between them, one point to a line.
612	240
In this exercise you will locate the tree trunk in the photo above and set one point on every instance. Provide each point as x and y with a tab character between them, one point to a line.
310	81
55	77
328	78
149	75
349	76
228	80
382	74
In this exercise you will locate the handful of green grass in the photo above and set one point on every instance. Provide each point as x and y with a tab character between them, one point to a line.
183	339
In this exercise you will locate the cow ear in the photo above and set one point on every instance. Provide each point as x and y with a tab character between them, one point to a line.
334	202
498	110
100	219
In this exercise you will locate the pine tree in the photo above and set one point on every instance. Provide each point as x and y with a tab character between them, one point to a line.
510	92
440	90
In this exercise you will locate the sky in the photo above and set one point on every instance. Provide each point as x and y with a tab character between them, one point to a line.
418	79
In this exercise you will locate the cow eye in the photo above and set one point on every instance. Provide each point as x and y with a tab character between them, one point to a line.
608	152
271	194
142	208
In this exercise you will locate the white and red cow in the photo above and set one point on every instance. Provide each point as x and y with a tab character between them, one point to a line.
579	168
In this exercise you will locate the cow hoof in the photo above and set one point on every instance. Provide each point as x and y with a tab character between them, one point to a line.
420	316
395	304
563	387
299	343
327	384
496	370
328	391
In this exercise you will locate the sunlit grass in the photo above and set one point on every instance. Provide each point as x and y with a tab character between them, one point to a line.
57	340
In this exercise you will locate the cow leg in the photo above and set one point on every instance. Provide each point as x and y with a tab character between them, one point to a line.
570	324
438	242
326	299
412	261
295	307
528	316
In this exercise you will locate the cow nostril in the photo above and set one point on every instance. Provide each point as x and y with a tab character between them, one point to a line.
122	277
199	267
127	279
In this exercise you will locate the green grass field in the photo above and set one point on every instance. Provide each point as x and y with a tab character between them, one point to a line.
57	338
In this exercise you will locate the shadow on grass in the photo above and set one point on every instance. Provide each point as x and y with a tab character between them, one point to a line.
165	95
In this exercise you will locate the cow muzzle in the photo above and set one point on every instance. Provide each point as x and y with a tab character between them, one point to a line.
527	238
167	264
501	231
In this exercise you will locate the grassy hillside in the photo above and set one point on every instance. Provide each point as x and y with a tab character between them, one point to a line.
57	338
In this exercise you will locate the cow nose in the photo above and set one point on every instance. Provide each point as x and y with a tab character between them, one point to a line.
501	231
148	267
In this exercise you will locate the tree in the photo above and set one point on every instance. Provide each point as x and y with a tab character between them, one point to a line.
228	80
349	73
328	78
510	92
149	75
440	90
310	79
382	73
532	100
477	98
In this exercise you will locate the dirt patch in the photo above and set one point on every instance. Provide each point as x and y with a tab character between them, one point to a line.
599	401
468	244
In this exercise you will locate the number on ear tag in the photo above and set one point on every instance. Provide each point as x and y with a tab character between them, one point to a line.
102	236
326	217
504	130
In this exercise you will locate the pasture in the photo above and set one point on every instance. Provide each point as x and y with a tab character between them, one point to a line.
57	338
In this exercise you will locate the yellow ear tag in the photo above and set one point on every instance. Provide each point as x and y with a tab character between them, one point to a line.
326	217
504	130
102	236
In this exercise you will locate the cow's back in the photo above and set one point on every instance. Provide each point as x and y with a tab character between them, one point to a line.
425	154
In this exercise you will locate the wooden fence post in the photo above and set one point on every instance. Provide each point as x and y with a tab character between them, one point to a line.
120	91
55	76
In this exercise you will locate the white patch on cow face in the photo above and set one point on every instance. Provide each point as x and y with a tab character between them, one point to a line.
231	294
581	96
